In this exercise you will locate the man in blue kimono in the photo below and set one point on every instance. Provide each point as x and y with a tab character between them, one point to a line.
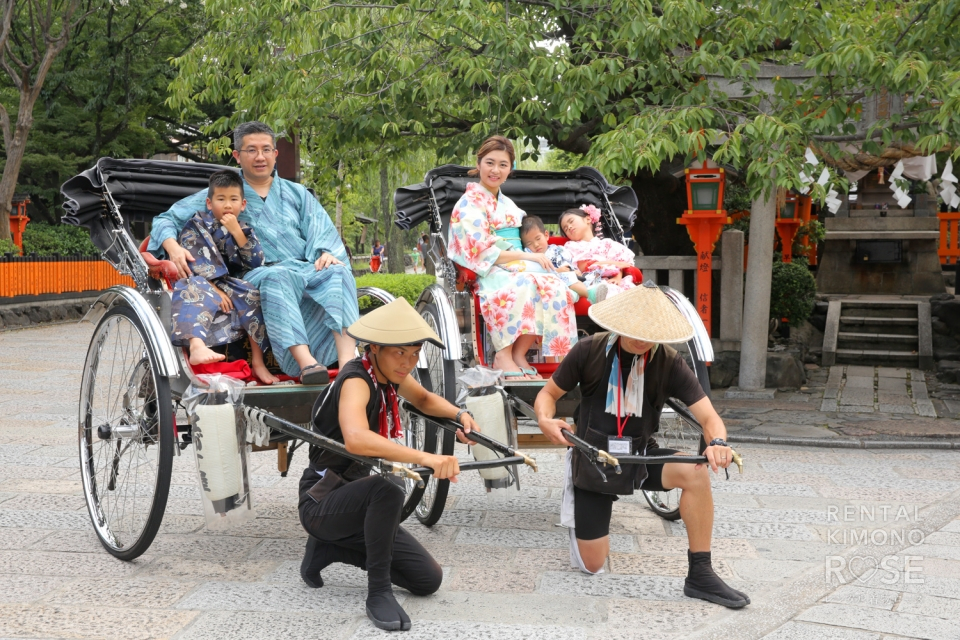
215	306
307	290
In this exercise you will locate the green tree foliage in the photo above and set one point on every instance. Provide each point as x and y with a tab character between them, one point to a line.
7	246
400	285
629	84
105	93
793	291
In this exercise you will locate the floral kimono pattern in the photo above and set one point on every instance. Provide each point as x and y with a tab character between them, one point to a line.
218	262
518	297
602	249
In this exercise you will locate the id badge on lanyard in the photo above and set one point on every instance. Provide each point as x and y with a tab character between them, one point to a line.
620	446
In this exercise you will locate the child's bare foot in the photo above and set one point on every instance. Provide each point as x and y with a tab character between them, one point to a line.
506	364
263	374
202	354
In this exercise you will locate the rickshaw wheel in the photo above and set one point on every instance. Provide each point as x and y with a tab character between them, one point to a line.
439	377
125	435
674	433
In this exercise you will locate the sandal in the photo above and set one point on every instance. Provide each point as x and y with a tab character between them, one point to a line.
512	374
314	374
531	372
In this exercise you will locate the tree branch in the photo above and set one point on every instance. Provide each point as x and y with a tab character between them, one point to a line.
903	33
877	133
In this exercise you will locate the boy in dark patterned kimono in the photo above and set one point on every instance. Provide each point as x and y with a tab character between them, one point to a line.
214	306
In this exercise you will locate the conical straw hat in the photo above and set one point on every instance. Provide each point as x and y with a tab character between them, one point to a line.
643	313
393	324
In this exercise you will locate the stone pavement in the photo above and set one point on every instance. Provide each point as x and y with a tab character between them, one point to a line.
829	543
874	403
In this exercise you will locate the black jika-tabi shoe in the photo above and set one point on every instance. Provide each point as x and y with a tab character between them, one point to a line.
319	555
702	582
385	612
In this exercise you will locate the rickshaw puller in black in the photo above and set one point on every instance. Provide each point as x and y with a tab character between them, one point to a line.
625	377
354	517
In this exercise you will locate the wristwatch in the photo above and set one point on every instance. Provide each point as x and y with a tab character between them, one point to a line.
460	413
718	442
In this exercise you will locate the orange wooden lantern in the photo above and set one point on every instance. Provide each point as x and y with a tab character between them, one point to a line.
788	222
19	219
704	221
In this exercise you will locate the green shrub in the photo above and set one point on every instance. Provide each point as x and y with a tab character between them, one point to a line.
792	292
60	239
398	284
7	246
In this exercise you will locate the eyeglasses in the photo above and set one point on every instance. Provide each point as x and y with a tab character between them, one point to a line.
253	152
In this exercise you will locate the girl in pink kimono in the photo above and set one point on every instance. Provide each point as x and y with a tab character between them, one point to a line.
599	258
520	295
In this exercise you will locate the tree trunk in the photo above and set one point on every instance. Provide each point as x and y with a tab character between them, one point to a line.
392	237
15	149
756	302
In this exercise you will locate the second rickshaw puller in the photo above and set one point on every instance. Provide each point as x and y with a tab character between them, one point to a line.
354	517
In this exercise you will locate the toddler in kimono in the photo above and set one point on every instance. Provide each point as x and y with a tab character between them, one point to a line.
599	258
534	236
214	306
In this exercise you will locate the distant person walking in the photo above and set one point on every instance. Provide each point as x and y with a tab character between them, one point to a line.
423	246
376	257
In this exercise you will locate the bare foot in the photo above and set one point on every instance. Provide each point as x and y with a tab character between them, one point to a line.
507	365
202	354
263	374
526	367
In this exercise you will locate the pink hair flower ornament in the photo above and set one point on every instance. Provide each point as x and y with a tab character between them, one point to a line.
591	211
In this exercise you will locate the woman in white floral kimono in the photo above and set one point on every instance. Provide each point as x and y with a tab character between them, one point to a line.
520	295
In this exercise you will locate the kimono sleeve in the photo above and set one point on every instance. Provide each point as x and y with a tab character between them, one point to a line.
618	252
318	231
250	254
169	223
208	263
471	243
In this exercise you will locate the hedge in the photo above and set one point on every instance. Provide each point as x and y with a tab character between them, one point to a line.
7	246
399	284
793	292
60	239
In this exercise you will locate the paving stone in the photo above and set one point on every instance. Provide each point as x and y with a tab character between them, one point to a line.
768	569
829	405
857	382
896	408
926	409
863	596
454	555
72	541
904	624
943	538
495	580
919	391
199	569
270	598
517	503
856	397
514	520
860	371
931	606
270	626
886	397
643	564
16	589
663	618
66	564
765	489
678	546
536	539
835	376
12	539
892	373
506	608
431	630
264	528
892	385
752	530
611	585
795	431
136	593
542	559
91	622
205	546
805	631
33	502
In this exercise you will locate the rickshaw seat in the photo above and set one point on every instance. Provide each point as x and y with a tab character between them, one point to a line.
157	268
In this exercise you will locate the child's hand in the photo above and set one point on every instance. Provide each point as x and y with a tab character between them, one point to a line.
226	305
230	223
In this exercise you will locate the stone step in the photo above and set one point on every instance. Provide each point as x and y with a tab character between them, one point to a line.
860	310
876	357
861	341
876	320
906	326
878	337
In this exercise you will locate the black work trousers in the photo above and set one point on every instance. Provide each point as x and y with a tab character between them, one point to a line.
364	515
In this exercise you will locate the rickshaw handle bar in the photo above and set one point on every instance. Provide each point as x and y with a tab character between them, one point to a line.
477	437
317	440
594	454
472	465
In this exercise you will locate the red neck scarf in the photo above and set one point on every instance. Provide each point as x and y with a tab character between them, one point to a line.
389	405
